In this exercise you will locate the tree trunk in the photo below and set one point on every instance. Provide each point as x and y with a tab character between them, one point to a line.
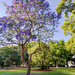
56	64
28	70
67	63
74	62
25	62
42	66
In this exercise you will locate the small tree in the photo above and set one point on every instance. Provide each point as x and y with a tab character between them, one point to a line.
68	7
59	52
24	18
43	57
8	56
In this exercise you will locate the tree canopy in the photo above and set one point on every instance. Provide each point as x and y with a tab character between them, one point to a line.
70	44
59	52
68	7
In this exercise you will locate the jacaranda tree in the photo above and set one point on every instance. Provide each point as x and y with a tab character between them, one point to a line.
24	18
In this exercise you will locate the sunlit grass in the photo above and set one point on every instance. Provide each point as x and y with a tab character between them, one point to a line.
56	71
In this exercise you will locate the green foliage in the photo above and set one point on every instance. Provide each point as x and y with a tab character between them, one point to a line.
9	57
68	6
70	44
42	57
59	52
69	25
59	7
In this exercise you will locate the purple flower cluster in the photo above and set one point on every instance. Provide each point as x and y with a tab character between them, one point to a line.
17	36
26	32
21	16
58	16
34	37
8	39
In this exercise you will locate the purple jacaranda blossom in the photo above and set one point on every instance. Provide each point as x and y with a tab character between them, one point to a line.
18	23
8	39
13	11
32	0
58	16
44	19
21	38
53	22
34	37
27	1
25	15
47	5
28	40
23	19
4	27
20	31
53	15
48	13
17	36
15	2
0	23
28	25
7	7
27	32
29	4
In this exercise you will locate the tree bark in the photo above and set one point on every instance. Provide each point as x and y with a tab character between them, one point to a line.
25	62
67	63
42	66
56	64
28	70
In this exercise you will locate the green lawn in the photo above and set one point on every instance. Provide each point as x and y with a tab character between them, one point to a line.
59	71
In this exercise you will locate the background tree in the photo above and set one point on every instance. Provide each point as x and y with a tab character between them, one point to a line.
68	6
10	57
70	44
22	22
43	57
59	52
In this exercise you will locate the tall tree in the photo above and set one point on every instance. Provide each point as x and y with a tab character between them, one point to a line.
24	18
41	58
68	6
59	52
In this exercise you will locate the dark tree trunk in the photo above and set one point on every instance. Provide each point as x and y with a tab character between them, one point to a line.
67	63
28	70
42	66
74	62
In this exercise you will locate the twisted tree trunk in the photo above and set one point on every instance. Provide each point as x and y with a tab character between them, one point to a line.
28	70
25	62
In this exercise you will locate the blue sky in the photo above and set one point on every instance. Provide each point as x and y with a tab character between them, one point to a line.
53	3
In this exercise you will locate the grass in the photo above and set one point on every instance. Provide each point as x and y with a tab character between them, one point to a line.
58	71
